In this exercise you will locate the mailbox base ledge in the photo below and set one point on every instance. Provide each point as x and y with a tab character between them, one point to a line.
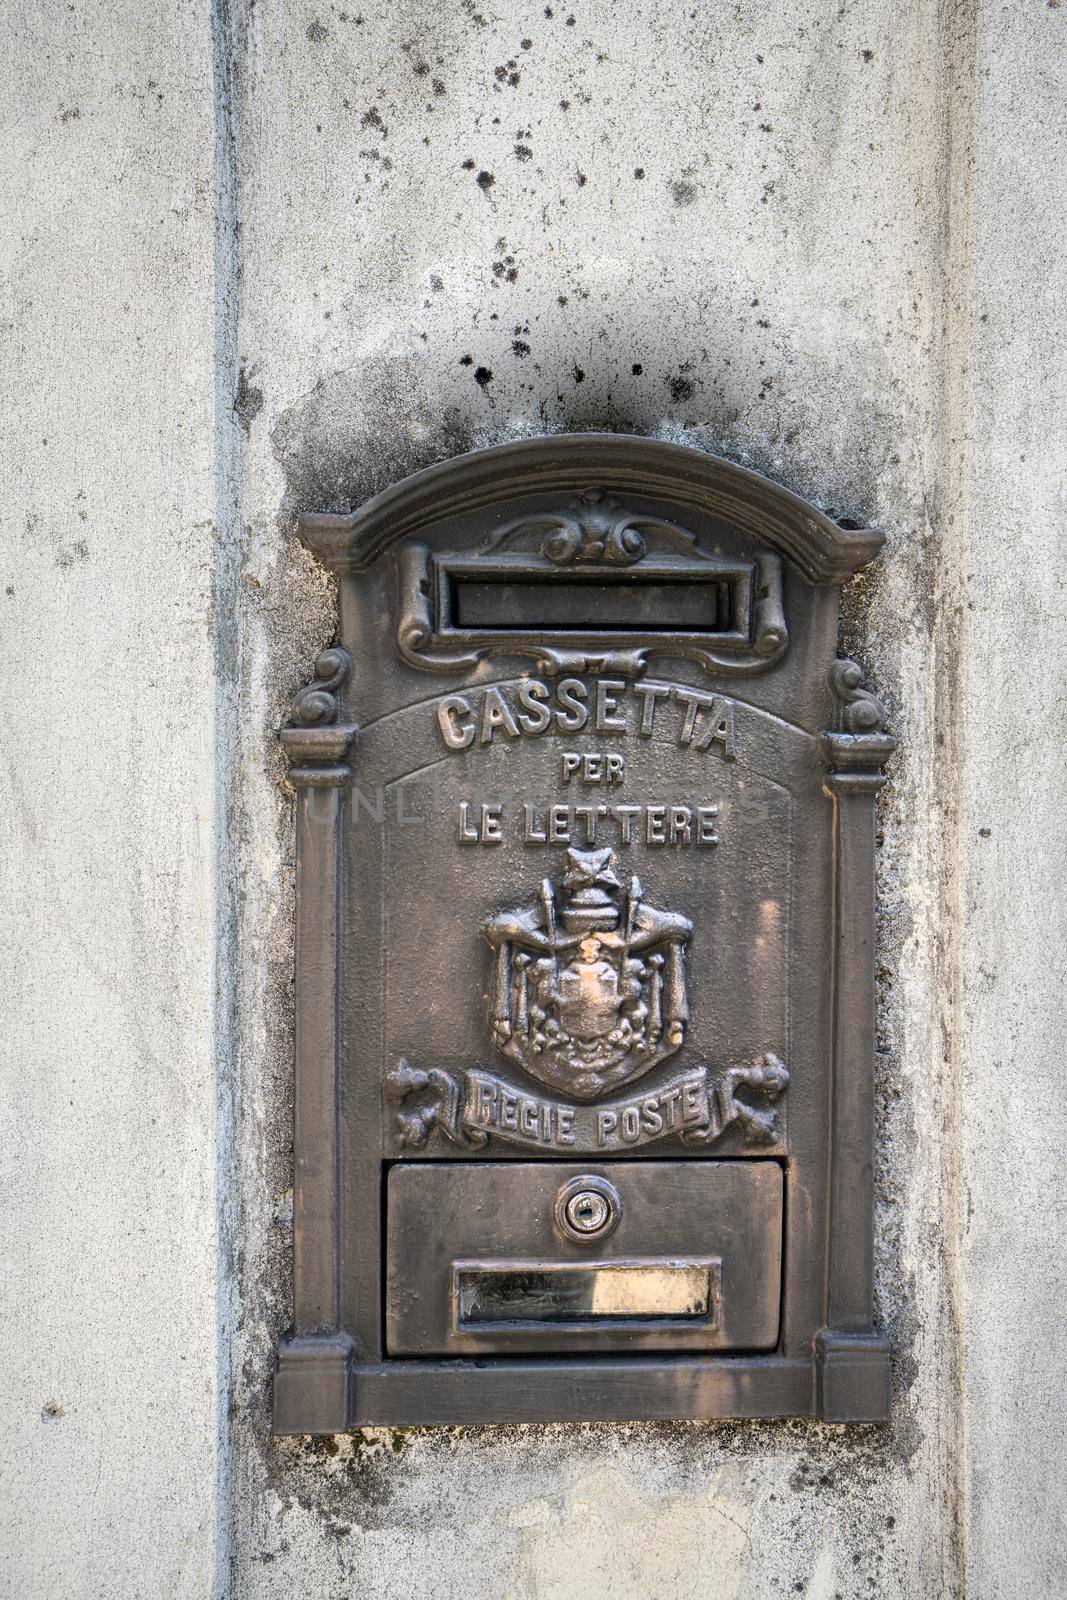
454	1393
853	1377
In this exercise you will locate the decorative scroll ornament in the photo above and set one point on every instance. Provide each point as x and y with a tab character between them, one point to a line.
588	993
601	531
862	710
316	705
596	530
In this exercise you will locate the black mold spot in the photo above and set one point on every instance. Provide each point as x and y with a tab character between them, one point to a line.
71	114
681	389
439	86
523	152
582	180
248	402
639	172
466	361
683	193
483	376
79	551
468	165
564	105
637	369
505	270
316	31
526	44
436	283
359	431
520	347
868	55
372	119
485	181
579	375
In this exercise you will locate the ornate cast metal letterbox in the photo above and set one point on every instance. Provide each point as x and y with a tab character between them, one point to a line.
585	896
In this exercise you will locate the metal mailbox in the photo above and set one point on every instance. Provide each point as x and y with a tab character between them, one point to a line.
585	901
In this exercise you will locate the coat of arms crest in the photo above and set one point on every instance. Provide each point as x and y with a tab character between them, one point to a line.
588	985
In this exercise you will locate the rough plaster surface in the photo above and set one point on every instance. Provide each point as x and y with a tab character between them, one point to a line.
1013	822
110	1380
347	242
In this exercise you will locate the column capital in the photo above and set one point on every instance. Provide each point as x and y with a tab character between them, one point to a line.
856	760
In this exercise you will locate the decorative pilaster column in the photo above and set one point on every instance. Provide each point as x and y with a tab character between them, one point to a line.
312	1377
852	1359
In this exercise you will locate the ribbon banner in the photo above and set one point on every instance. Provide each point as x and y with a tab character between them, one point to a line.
695	1105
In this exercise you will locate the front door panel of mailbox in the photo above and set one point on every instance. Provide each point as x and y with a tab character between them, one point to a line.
584	930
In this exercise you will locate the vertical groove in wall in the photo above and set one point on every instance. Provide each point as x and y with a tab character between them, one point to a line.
960	23
226	555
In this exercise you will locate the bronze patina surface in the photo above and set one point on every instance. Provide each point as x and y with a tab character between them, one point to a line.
585	832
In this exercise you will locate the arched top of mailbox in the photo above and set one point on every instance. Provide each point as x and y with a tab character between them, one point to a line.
569	463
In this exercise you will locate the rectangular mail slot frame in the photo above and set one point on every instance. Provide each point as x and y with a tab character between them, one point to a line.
513	593
684	1014
670	605
496	1296
453	603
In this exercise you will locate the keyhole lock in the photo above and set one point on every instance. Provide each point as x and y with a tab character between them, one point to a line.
587	1209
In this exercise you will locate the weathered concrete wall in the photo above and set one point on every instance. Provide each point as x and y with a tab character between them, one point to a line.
273	259
111	1388
1013	820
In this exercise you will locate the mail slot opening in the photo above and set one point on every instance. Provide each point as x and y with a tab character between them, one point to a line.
548	1292
583	604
